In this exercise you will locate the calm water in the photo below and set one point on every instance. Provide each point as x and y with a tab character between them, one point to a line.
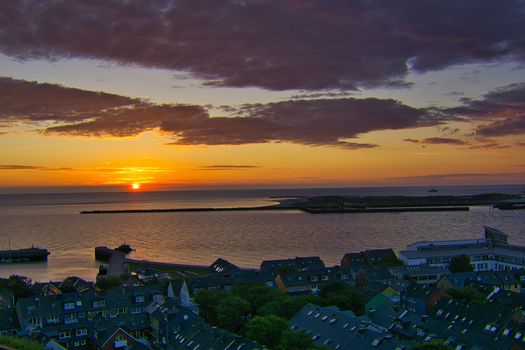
245	238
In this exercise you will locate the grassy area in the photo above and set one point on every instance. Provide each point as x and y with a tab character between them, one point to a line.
176	271
17	343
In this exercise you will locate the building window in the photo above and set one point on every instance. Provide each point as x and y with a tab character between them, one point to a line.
64	335
325	278
69	306
52	319
81	332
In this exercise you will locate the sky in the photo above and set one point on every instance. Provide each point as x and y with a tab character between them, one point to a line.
194	94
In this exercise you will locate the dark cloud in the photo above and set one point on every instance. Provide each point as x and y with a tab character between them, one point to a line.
228	167
490	145
317	122
437	141
272	44
507	126
32	101
31	167
455	176
501	112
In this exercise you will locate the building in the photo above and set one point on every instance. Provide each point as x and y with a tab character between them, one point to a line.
311	280
226	281
421	299
297	263
371	257
334	329
421	274
39	312
223	266
477	326
492	253
175	327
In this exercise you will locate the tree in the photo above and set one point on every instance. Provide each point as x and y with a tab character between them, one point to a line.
466	294
267	330
257	294
232	313
18	285
460	263
341	296
295	341
283	306
208	302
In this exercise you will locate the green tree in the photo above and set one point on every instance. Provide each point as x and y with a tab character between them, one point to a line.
257	294
466	294
295	341
460	263
267	330
341	296
18	285
433	345
284	306
232	313
208	302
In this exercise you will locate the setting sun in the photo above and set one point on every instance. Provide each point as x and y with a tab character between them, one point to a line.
135	186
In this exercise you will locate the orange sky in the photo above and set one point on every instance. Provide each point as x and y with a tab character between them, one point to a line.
222	102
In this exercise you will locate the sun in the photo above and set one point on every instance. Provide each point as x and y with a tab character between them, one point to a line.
135	186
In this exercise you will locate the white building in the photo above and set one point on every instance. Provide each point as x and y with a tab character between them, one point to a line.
492	253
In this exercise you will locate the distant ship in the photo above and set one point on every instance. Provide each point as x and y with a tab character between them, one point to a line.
23	255
432	190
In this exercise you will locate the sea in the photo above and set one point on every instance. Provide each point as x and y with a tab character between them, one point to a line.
53	221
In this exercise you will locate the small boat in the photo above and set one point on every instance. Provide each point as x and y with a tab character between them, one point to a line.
432	190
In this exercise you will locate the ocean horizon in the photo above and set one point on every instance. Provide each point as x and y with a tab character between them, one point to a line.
53	221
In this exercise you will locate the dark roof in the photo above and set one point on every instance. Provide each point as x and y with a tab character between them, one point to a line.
315	276
418	270
295	263
353	260
376	273
377	256
385	315
186	330
223	266
223	281
334	329
480	325
421	292
42	306
511	299
75	284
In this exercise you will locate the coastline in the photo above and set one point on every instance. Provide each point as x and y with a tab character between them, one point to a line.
346	204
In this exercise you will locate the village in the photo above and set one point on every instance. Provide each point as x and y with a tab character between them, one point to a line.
461	294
